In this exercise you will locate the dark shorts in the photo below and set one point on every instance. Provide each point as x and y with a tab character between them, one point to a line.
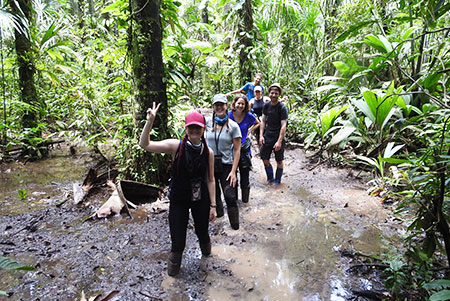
267	148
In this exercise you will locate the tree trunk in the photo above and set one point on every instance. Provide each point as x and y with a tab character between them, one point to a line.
81	14
331	10
245	40
205	17
26	65
148	71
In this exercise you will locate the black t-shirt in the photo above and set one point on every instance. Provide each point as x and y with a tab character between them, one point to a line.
274	114
192	166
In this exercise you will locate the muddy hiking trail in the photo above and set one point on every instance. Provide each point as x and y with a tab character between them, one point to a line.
289	245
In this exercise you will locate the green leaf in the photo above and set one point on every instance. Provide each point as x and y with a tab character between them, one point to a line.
353	28
368	161
390	149
328	88
372	103
386	44
437	284
440	296
8	264
49	34
377	43
395	160
327	119
114	7
56	56
343	133
431	80
310	139
3	293
342	67
202	46
65	69
407	34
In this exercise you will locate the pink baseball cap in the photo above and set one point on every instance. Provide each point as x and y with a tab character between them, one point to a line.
195	118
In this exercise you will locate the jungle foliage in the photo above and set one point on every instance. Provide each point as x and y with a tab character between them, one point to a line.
368	85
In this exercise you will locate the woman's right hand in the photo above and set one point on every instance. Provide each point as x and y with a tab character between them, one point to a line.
151	113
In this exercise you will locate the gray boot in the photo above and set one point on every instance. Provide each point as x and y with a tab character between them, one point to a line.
174	263
206	249
233	216
245	194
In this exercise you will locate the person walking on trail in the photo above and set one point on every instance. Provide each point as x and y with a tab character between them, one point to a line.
247	123
272	131
224	137
192	185
248	88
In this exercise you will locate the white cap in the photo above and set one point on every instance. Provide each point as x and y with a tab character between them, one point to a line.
219	98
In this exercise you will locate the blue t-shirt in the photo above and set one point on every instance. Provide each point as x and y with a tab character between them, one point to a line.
245	124
249	88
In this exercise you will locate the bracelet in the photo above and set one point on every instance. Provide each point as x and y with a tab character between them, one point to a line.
213	206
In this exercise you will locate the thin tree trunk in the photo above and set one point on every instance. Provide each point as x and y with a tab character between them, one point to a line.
205	16
81	14
420	58
412	40
246	40
148	72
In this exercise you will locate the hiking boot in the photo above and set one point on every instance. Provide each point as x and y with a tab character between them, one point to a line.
206	249
174	263
245	194
233	216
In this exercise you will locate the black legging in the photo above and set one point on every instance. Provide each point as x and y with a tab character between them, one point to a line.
228	191
178	221
244	177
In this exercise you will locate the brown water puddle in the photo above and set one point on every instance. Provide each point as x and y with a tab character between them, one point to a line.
296	255
43	183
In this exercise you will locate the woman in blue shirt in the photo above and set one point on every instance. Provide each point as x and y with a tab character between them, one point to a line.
247	123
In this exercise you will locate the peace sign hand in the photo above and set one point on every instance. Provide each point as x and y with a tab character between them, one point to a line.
151	113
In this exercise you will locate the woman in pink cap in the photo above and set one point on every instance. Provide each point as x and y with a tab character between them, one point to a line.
192	185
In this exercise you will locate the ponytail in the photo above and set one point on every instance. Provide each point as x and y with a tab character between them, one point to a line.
180	152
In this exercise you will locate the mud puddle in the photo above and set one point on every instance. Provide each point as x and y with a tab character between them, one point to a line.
286	249
32	186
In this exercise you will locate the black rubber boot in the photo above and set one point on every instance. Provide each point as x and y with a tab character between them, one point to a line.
245	194
174	263
233	216
206	249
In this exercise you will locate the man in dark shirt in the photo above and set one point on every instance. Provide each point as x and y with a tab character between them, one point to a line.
272	131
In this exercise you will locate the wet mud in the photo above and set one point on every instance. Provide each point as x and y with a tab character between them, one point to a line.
287	248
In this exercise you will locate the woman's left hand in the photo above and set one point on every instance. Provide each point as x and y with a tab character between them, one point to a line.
232	178
212	214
